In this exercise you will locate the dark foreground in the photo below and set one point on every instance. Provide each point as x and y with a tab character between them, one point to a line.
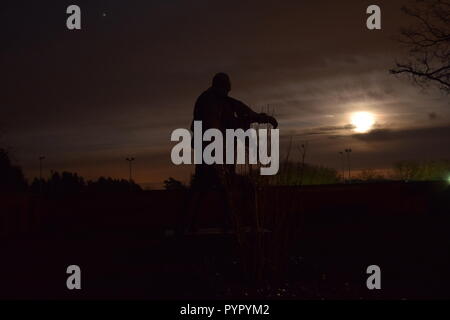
317	245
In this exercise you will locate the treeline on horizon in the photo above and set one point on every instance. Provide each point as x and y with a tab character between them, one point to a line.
297	173
12	179
291	173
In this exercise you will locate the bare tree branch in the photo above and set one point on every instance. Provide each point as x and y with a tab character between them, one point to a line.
428	44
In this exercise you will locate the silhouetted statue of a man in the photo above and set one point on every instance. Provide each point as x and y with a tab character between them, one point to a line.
218	110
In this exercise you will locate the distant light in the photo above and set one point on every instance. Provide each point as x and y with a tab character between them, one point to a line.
448	179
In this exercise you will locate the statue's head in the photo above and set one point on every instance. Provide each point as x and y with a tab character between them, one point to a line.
221	82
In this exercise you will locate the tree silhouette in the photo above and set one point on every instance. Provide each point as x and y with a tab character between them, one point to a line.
173	184
428	44
112	185
67	182
11	177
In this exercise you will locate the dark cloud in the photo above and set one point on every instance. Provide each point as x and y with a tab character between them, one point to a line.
382	135
331	131
337	128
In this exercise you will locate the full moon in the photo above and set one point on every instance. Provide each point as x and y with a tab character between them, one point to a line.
362	121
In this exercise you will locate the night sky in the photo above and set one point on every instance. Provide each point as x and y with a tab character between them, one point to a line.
88	99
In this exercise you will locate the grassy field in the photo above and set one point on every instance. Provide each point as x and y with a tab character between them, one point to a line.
317	243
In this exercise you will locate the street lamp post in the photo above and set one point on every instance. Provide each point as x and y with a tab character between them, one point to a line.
348	151
41	158
343	165
130	161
